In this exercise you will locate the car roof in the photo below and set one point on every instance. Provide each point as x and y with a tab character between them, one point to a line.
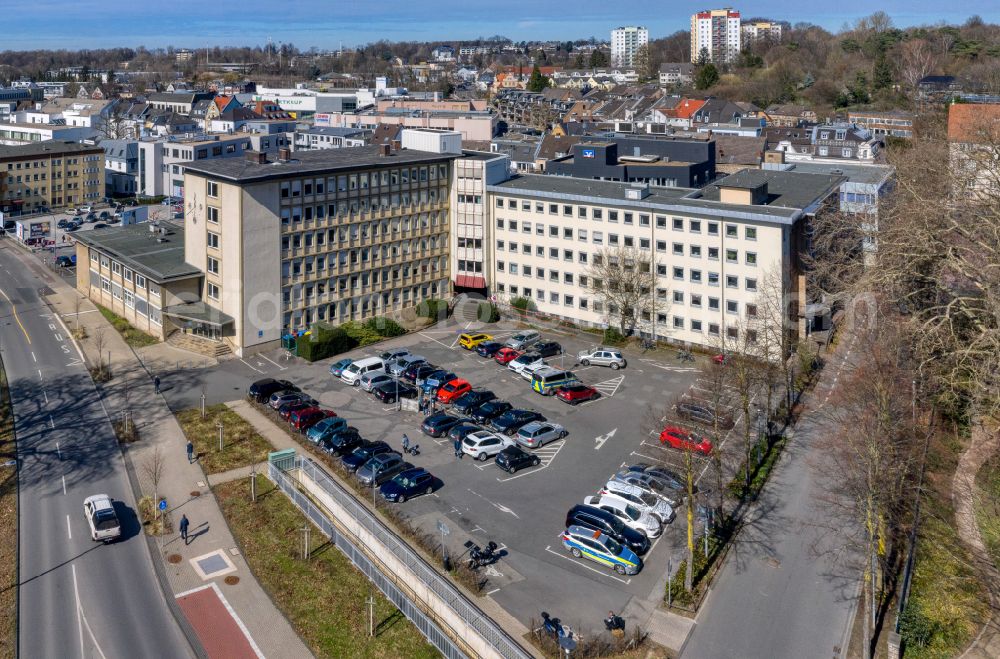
413	471
534	425
481	434
99	501
583	531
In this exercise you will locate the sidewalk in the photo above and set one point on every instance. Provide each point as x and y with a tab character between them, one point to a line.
185	489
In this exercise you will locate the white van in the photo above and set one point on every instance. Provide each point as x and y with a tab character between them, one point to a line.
352	374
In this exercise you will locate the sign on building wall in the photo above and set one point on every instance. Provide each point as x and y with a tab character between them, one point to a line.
588	153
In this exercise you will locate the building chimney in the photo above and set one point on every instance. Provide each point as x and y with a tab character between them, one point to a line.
384	150
256	157
397	145
284	154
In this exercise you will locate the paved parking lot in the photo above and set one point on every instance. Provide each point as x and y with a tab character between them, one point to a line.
524	513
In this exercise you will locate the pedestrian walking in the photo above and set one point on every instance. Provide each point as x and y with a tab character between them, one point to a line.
406	443
458	449
190	452
184	528
156	384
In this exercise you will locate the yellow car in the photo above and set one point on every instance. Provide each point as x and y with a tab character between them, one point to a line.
470	341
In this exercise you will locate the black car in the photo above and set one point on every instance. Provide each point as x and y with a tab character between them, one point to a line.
407	484
488	348
418	371
462	429
513	458
342	442
547	349
62	223
261	390
100	225
603	521
439	424
471	400
362	454
490	410
511	421
388	391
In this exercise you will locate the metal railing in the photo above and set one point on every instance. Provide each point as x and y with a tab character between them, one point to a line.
505	645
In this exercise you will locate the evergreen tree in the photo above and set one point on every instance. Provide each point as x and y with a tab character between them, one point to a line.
882	77
537	82
706	76
598	59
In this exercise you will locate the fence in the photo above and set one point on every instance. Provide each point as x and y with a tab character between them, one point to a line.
485	627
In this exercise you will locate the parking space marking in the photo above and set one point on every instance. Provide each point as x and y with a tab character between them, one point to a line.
280	367
499	506
443	345
546	453
248	364
573	560
668	367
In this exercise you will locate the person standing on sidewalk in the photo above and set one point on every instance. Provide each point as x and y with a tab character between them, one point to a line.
190	452
184	528
156	384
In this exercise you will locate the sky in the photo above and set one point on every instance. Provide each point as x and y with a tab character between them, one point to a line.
76	24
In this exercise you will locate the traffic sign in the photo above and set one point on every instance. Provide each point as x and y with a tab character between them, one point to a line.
163	504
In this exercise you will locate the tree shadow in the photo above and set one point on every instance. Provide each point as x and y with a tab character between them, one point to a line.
389	622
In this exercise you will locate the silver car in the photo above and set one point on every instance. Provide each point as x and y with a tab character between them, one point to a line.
525	360
602	357
369	381
539	433
279	398
400	364
641	496
523	339
381	468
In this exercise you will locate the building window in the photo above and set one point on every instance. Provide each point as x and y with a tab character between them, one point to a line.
751	310
750	233
140	282
732	231
213	189
628	218
696	276
679	273
713	329
568	211
678	322
213	215
751	284
695	226
499	222
213	240
732	256
678	297
129	299
596	214
678	224
128	275
213	291
568	300
751	258
713	228
732	306
732	332
695	325
213	265
678	249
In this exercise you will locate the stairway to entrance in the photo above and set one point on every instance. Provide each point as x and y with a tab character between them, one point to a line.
197	344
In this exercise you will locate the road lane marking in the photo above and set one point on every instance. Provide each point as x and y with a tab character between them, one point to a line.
82	620
58	451
40	374
573	560
13	307
64	485
69	529
46	396
251	366
51	422
495	590
443	345
35	359
600	439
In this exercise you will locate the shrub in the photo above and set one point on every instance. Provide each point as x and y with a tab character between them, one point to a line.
361	334
522	305
433	309
324	342
384	327
613	337
488	313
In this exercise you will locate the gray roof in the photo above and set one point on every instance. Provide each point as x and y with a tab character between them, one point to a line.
336	131
241	170
784	189
136	246
869	174
46	147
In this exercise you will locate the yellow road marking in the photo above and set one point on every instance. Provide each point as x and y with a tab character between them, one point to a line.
16	317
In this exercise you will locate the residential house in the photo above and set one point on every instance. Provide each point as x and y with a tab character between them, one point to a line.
734	153
974	145
121	167
444	53
676	73
895	123
789	115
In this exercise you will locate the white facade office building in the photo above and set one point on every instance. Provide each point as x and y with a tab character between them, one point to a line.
625	42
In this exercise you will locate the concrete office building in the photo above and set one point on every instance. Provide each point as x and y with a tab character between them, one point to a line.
659	162
713	247
327	235
471	228
54	174
625	42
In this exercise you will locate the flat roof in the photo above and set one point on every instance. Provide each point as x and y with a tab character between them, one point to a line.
784	189
241	170
47	148
136	246
854	173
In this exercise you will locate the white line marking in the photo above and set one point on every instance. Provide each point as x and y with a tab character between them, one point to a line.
69	529
64	485
444	345
39	374
280	367
58	452
46	395
70	335
495	590
33	356
573	560
252	367
67	315
544	465
51	422
82	620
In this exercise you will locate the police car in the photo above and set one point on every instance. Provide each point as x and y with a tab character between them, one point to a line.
588	543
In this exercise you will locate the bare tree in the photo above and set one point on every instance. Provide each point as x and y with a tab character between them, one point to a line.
624	280
916	60
152	469
100	339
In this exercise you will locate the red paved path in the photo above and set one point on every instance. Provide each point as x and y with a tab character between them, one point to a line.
216	628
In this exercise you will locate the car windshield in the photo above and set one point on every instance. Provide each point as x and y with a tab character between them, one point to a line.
612	546
648	498
633	513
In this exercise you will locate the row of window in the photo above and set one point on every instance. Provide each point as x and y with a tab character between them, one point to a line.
40	164
364	180
128	298
732	255
677	224
309	265
361	231
125	273
349	309
361	205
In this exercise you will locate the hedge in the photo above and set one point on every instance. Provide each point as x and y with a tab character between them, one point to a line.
386	327
433	309
522	305
325	342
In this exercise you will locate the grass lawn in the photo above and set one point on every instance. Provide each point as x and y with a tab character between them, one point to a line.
134	337
8	522
988	506
323	598
242	445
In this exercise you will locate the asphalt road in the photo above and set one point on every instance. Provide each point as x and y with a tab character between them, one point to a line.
789	586
77	598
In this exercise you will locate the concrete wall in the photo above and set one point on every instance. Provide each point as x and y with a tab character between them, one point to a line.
258	255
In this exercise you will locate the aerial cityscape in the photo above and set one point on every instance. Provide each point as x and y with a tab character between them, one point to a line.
638	332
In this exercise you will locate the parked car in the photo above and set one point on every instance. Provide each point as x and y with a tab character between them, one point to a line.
90	218
86	209
540	367
65	261
389	356
439	424
484	444
505	356
381	468
721	359
303	420
337	367
574	394
403	364
407	484
670	478
539	433
390	392
341	442
286	409
104	215
279	398
470	400
490	410
353	460
524	360
512	420
489	348
369	381
546	380
326	428
470	341
514	458
351	374
703	415
629	515
452	390
435	380
547	348
647	484
73	226
418	372
602	357
463	429
521	340
641	499
261	390
605	522
99	509
62	223
682	439
588	543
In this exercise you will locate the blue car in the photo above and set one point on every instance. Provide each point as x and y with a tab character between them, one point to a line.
326	428
337	367
596	546
407	484
354	460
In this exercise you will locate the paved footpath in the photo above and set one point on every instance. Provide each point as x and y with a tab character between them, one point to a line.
228	619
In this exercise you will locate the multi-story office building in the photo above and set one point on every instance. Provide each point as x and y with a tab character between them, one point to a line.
760	31
327	235
625	42
53	174
472	231
715	36
712	248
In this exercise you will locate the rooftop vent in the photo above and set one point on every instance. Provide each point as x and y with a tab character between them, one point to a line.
636	192
384	150
284	154
256	157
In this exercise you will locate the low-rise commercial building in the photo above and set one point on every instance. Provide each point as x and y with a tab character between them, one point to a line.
51	174
895	123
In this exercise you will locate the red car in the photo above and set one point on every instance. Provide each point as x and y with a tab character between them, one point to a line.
505	356
576	393
303	420
721	359
682	439
452	390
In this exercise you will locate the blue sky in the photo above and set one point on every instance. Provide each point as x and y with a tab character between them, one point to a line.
327	23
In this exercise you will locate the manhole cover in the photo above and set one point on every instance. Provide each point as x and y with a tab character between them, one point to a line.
195	493
213	563
174	558
232	580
